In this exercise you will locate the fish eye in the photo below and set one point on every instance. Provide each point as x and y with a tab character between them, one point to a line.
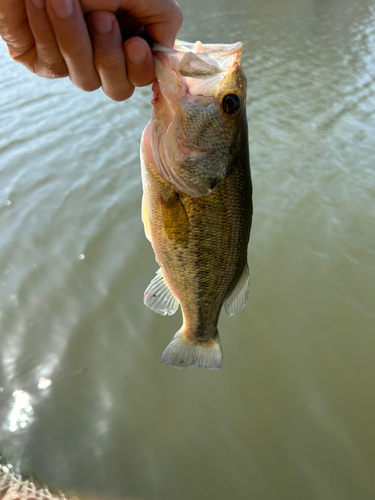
231	104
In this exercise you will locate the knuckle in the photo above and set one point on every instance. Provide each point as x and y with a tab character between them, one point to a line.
16	51
179	17
27	59
119	95
108	63
72	53
88	86
53	70
61	74
142	81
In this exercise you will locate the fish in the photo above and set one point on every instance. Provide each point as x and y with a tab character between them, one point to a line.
197	194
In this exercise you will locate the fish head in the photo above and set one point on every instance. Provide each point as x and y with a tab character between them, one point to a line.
199	108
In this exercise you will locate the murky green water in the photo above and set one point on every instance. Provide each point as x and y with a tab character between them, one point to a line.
291	414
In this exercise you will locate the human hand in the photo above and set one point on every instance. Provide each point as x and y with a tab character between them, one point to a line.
54	39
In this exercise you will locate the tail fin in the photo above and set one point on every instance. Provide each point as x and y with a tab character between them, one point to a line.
181	353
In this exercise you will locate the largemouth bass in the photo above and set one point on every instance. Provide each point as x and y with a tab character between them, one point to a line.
197	194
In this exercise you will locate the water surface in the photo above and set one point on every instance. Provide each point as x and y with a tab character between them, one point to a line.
290	415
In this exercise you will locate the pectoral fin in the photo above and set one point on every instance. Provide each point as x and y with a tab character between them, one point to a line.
175	219
158	296
238	298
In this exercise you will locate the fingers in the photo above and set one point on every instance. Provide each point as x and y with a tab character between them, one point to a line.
14	27
139	62
166	21
120	68
109	55
51	38
162	19
48	61
74	42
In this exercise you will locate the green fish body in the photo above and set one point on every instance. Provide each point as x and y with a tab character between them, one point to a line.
197	204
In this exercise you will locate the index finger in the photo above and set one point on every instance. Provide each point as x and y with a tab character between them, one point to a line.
161	18
74	42
14	27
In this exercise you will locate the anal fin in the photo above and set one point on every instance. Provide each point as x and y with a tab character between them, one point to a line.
158	296
239	296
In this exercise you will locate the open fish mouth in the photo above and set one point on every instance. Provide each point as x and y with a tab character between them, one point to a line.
193	68
189	79
210	50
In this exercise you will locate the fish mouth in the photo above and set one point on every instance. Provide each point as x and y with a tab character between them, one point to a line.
212	50
189	71
193	68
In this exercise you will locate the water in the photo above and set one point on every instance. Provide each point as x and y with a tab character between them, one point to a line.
291	413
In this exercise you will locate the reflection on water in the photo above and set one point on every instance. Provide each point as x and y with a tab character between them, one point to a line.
21	412
84	401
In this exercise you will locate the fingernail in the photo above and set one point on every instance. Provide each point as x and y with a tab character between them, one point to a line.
102	22
171	42
136	52
62	8
39	4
